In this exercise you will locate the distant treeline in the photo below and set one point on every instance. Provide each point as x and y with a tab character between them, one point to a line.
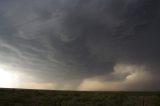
21	97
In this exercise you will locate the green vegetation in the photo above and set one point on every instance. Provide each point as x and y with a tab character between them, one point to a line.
13	97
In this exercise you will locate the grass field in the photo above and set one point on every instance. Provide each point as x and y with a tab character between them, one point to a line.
22	97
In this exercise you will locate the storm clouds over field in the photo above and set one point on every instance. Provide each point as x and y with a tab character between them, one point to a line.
81	44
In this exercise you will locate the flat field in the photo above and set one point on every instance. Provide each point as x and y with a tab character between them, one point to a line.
24	97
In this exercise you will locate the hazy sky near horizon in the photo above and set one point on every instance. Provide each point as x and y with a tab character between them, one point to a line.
80	44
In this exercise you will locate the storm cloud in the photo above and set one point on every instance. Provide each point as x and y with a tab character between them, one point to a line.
81	45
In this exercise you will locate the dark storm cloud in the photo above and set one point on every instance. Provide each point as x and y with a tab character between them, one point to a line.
119	26
62	40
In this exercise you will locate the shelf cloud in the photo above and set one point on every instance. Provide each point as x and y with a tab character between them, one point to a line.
81	45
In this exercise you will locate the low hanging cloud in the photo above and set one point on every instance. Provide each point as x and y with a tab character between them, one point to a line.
75	44
128	77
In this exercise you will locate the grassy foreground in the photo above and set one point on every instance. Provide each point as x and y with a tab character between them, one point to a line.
22	97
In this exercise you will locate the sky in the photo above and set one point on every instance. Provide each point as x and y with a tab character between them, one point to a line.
93	45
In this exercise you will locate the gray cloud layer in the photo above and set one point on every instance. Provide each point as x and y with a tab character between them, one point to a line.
58	41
